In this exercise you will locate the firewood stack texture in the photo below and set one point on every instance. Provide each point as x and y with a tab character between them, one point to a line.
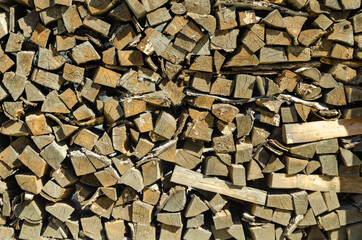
180	119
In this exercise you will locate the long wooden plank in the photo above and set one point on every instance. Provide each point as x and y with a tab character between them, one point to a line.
320	130
315	182
196	180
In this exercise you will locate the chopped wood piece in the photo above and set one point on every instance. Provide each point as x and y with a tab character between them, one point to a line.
30	183
281	217
33	161
137	8
206	21
300	202
97	25
272	55
71	19
92	227
280	201
314	182
84	53
242	57
40	35
237	175
274	19
308	37
193	179
133	178
172	219
175	201
244	86
320	130
151	171
224	40
222	219
329	164
265	231
73	73
195	207
259	135
342	32
214	167
226	17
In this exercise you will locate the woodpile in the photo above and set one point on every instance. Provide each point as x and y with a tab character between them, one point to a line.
180	119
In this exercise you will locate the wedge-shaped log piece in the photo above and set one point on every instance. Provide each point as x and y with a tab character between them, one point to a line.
84	53
33	161
242	57
81	163
54	154
195	207
61	211
71	19
47	79
196	180
29	183
294	165
14	83
133	178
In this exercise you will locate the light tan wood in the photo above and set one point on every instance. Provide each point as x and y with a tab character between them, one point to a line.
320	130
192	179
315	182
195	207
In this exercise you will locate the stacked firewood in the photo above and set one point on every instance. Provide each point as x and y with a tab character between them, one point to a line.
180	119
